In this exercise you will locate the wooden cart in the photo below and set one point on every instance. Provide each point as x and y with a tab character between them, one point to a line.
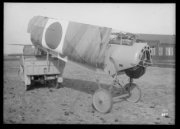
41	67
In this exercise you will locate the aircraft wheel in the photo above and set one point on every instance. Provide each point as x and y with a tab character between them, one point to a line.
102	101
135	92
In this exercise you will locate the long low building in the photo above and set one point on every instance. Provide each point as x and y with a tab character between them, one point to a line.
162	46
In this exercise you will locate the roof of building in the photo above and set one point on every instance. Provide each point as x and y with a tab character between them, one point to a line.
170	39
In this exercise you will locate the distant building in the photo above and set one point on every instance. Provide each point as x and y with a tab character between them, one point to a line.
162	47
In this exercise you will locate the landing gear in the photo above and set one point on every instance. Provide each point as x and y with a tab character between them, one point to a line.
102	99
134	92
130	92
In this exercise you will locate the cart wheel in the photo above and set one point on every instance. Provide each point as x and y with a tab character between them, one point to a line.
28	87
27	82
134	92
102	101
57	85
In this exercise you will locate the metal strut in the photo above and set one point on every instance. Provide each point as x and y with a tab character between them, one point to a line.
130	81
128	88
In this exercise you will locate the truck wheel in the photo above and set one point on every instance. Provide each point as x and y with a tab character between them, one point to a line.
28	87
27	82
57	84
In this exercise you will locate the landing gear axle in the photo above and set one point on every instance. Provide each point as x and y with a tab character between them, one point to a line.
102	99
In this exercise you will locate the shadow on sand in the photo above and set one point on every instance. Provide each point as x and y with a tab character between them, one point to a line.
88	87
76	84
83	85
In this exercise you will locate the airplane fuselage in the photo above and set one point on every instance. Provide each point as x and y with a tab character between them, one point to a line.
85	44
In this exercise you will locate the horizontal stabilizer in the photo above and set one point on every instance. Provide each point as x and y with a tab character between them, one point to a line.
15	54
21	44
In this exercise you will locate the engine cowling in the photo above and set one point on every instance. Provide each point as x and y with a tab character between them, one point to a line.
135	72
129	59
140	69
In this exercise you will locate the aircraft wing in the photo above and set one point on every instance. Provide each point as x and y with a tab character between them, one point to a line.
82	43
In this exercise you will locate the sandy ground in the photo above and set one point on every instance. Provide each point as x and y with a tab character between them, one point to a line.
72	104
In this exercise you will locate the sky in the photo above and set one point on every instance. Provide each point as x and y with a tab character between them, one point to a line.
133	18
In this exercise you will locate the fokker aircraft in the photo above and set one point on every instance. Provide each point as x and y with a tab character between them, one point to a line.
97	48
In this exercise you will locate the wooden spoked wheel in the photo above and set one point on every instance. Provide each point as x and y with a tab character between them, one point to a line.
102	101
134	92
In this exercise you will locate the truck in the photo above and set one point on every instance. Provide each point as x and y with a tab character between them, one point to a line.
38	66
